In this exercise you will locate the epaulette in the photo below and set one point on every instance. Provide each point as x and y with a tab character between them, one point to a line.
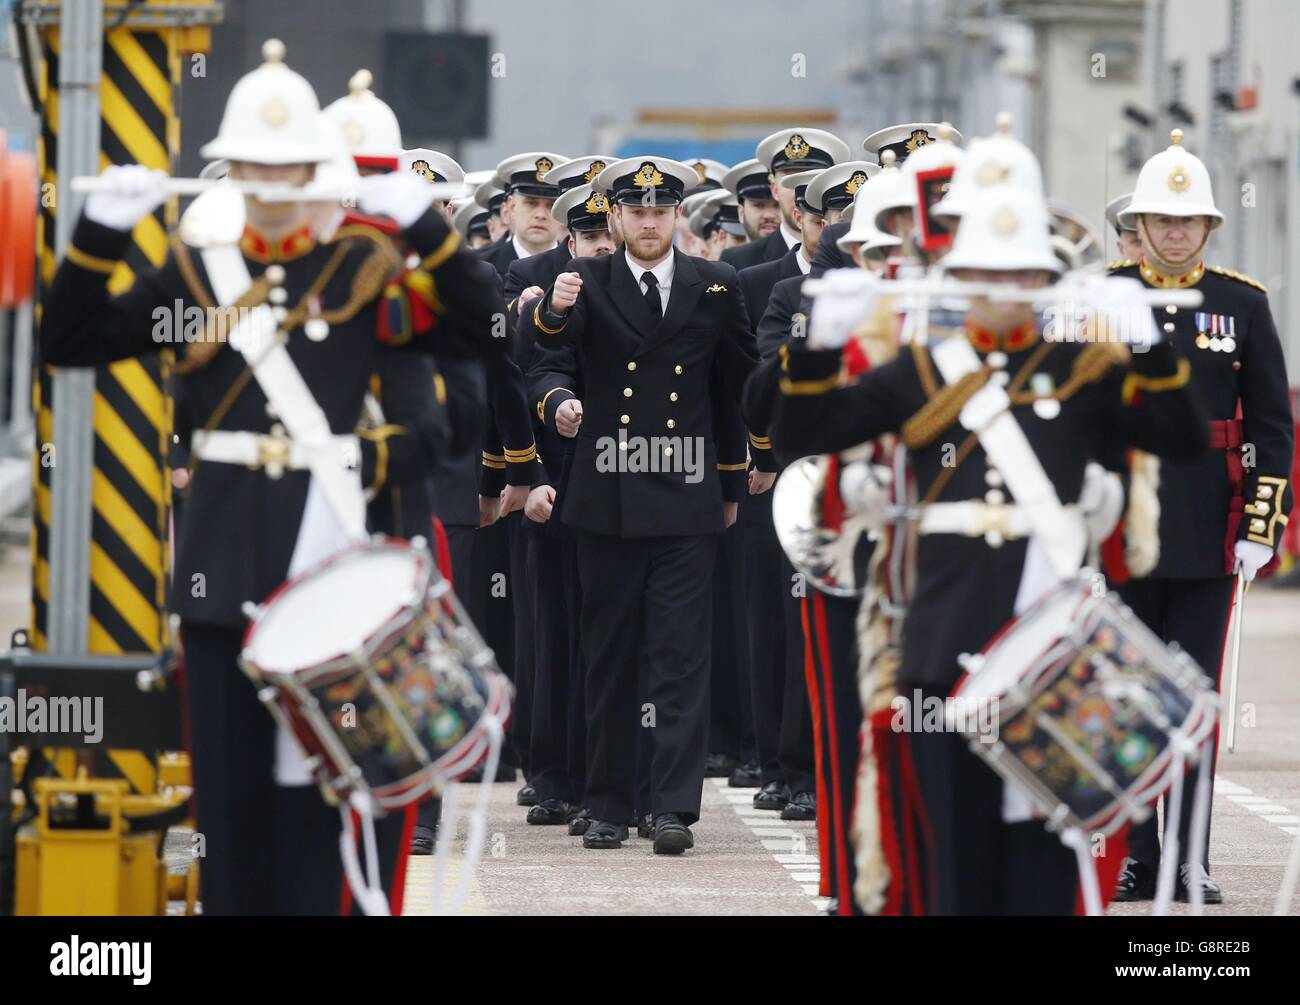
378	239
1240	278
1119	264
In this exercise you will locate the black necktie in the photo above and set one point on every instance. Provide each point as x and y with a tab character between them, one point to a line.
652	295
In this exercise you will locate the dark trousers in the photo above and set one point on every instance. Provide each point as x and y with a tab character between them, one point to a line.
646	619
781	713
983	866
268	849
557	756
492	587
1193	613
523	581
831	689
731	724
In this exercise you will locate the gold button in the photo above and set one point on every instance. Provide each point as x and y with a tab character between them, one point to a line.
1257	526
668	451
1264	491
627	392
1170	309
631	367
673	396
677	369
1236	364
1169	326
672	424
622	444
625	419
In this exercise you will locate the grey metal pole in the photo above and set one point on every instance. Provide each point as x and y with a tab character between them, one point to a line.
80	57
1153	38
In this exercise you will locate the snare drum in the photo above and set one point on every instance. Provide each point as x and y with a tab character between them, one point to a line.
370	663
1092	708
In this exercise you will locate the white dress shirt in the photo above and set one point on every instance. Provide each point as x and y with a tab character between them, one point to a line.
663	273
520	250
805	263
791	236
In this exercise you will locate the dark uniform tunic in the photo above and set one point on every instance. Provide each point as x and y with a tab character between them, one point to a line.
966	588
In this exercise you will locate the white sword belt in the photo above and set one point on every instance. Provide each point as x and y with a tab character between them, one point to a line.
995	522
272	452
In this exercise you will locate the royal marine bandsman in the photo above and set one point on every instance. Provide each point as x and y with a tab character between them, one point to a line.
263	504
1222	511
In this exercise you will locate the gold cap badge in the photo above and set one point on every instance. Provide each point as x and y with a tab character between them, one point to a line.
856	182
648	176
699	170
543	164
596	168
597	203
919	138
1178	180
796	149
1005	222
991	173
275	113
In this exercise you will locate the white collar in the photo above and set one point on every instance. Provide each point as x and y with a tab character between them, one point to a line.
791	237
520	250
805	263
663	271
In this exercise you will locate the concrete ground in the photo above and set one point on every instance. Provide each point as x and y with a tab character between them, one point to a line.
748	861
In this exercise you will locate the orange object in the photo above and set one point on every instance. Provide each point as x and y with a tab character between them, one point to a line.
17	228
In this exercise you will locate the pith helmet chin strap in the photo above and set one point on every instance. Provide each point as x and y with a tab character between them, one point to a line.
1149	247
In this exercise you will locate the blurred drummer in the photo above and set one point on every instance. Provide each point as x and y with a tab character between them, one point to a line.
271	843
973	569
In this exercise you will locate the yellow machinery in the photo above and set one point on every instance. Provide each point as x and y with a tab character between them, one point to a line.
96	848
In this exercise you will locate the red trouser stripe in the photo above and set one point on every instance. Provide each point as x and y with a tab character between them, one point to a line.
823	825
841	863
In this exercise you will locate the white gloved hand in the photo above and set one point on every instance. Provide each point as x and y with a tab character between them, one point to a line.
864	488
844	298
1100	502
402	196
136	191
1251	557
1122	300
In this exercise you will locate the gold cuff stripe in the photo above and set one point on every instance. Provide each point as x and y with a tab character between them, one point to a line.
733	467
541	405
810	386
500	458
1262	507
444	251
496	465
1135	382
537	320
761	442
92	262
521	456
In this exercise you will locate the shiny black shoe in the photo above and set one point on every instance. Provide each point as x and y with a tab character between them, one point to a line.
423	839
551	812
720	766
526	796
802	806
672	837
1210	892
748	776
772	796
1136	882
645	827
603	834
580	822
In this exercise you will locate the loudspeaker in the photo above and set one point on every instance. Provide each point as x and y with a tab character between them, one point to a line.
437	84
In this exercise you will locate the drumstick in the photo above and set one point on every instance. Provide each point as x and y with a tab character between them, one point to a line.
1236	661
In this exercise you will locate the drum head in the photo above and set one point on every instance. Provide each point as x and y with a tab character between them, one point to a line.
1018	647
335	608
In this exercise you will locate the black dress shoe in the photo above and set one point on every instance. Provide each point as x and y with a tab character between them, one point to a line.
672	837
645	827
526	796
423	839
551	812
1136	882
802	806
720	766
748	776
1210	892
580	822
603	834
772	796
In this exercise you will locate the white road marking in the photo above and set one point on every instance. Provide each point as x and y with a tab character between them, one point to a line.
788	841
1263	807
